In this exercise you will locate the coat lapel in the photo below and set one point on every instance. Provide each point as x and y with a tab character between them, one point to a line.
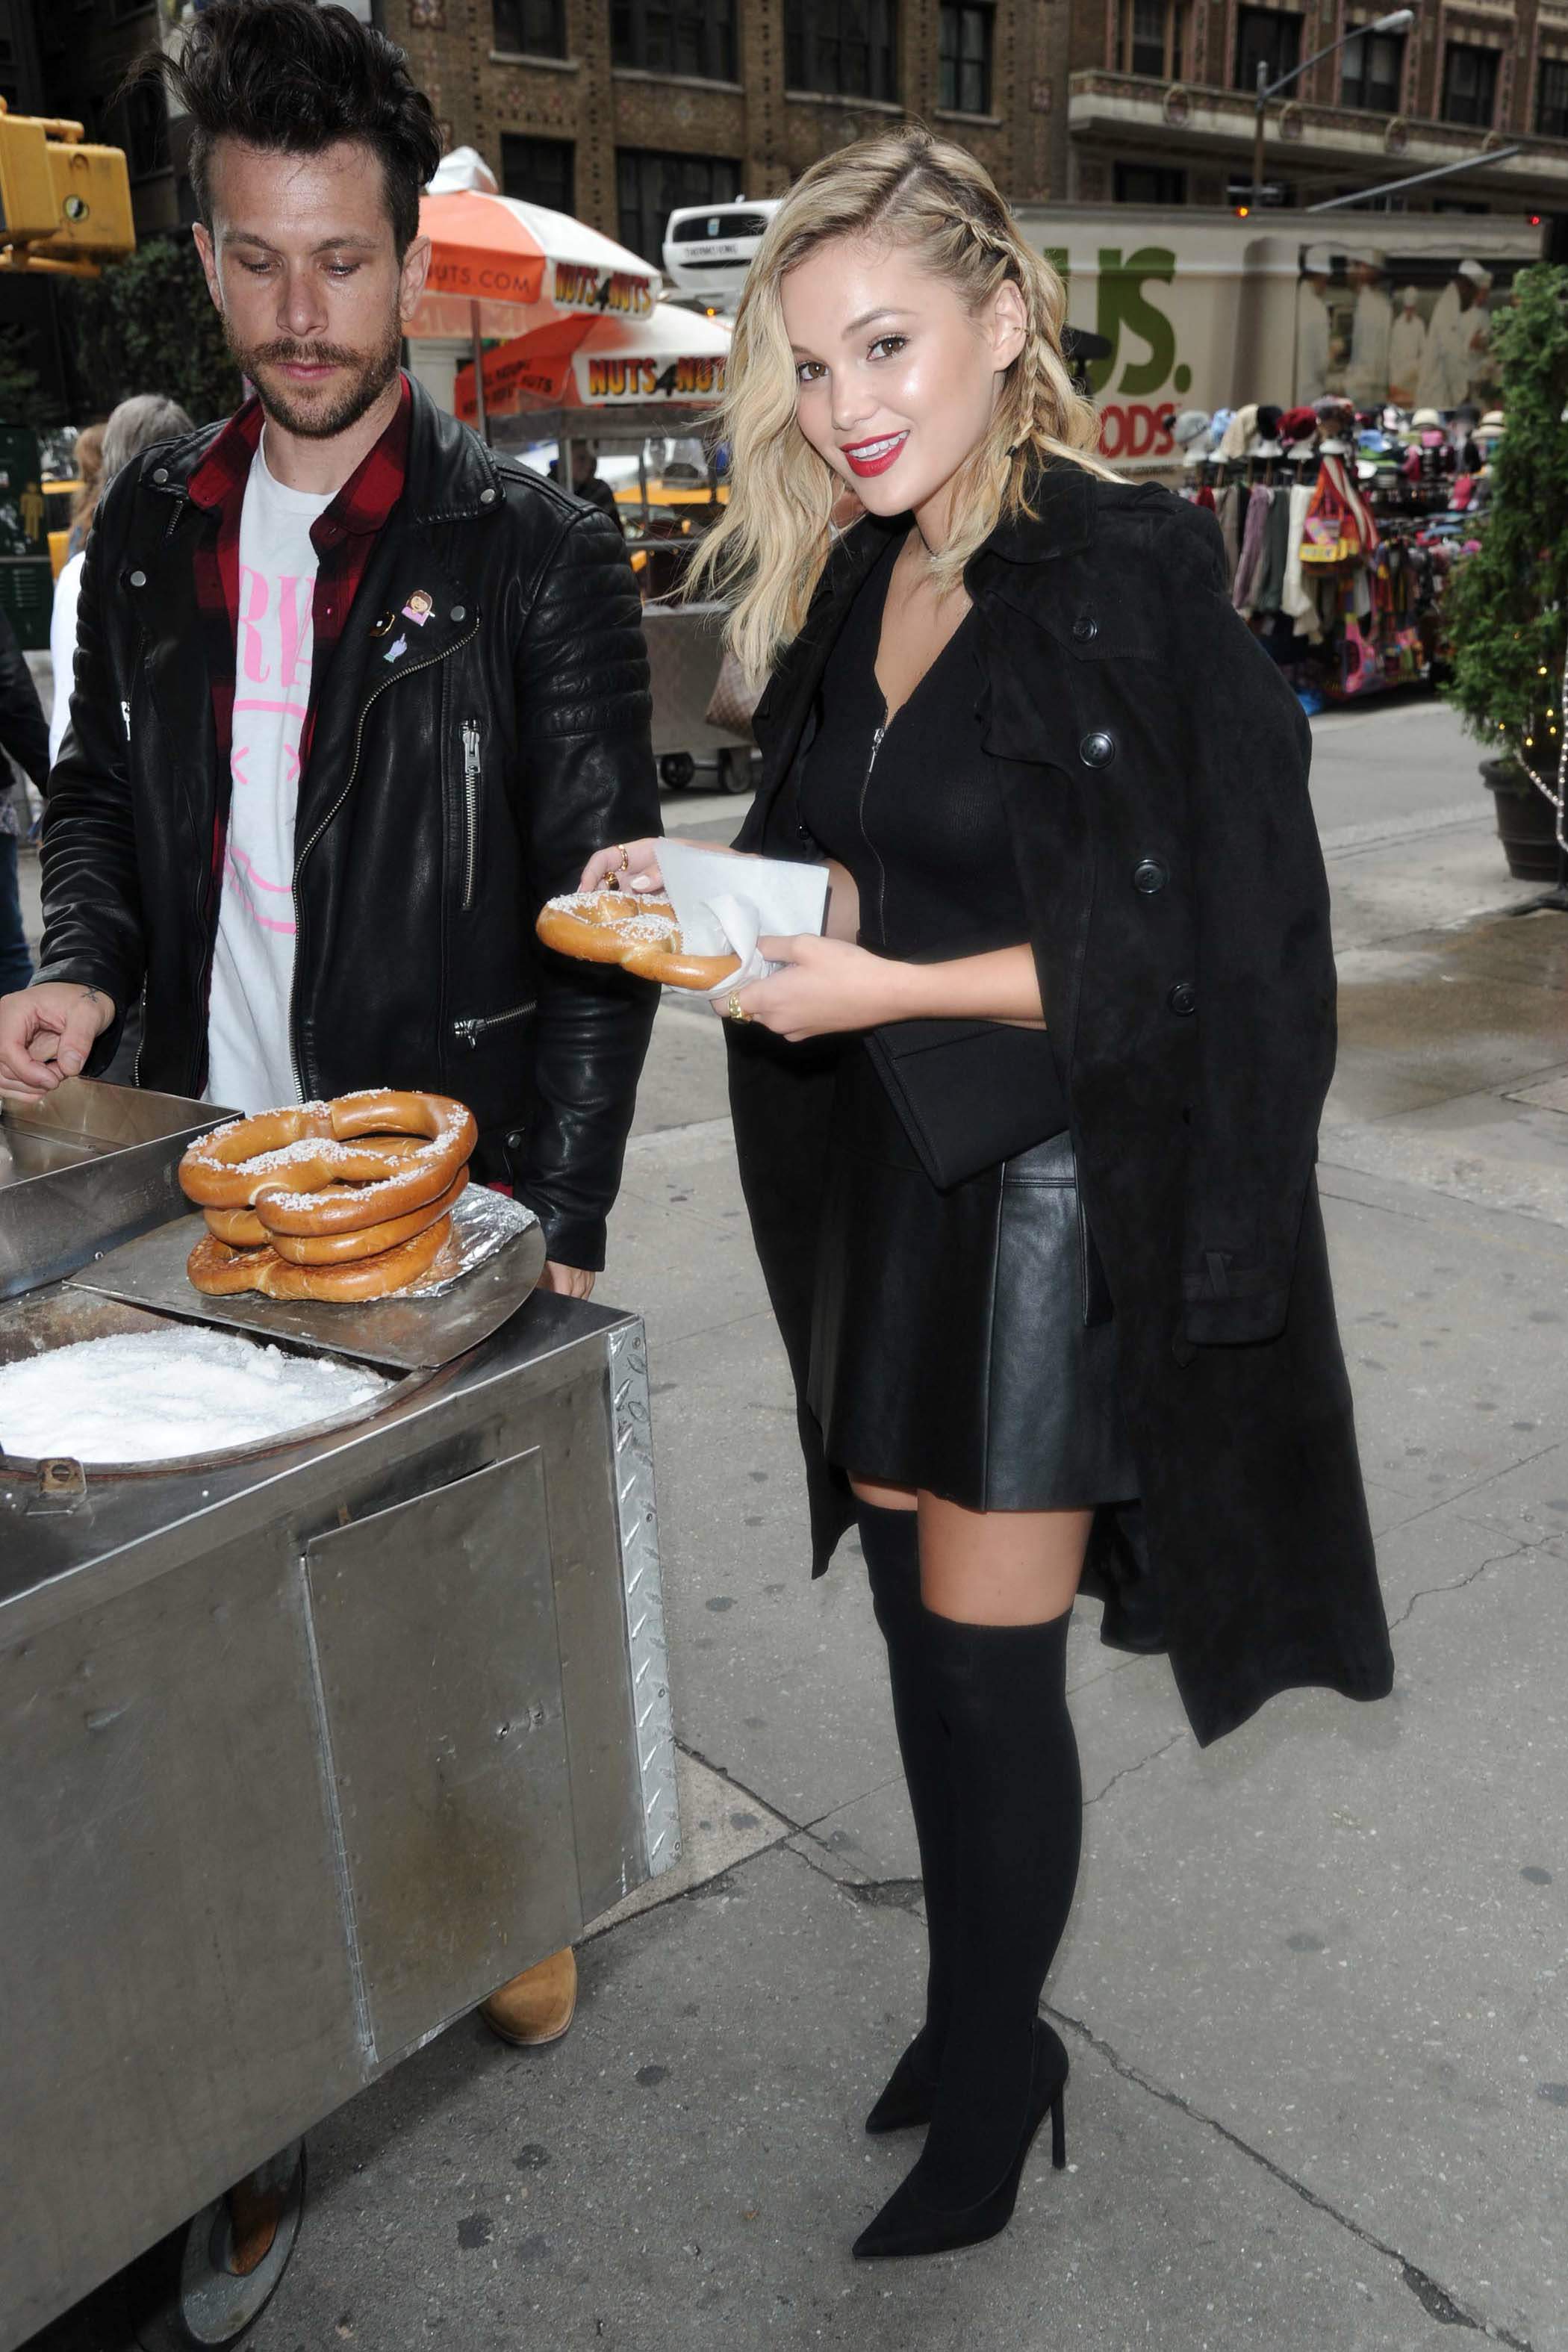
779	720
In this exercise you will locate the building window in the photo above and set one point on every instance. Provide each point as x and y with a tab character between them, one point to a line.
1373	71
1150	183
650	184
540	171
1149	37
1469	85
530	29
675	36
844	47
964	58
1266	38
1552	99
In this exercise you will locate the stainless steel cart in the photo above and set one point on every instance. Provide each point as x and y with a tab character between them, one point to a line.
303	1748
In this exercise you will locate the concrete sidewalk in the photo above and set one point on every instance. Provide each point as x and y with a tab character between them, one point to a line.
1314	1987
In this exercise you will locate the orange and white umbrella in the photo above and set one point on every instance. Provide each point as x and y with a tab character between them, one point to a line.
521	263
602	363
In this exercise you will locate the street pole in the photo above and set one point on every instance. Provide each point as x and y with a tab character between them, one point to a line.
1397	21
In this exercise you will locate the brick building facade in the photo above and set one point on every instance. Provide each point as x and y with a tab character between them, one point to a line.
618	109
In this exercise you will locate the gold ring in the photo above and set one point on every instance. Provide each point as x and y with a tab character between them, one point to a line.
626	856
734	1009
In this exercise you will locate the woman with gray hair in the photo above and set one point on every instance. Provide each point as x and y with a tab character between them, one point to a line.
139	422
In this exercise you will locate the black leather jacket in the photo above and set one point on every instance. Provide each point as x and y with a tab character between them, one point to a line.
445	800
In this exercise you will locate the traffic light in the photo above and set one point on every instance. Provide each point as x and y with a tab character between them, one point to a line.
66	204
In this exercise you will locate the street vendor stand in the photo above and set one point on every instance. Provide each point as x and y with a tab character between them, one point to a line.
585	389
305	1747
582	348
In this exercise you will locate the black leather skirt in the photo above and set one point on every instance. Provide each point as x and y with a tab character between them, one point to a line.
962	1341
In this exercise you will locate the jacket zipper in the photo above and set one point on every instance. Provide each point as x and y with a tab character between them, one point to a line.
470	810
881	869
469	1032
300	855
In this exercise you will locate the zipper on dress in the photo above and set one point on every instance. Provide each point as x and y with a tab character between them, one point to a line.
470	811
881	869
469	1032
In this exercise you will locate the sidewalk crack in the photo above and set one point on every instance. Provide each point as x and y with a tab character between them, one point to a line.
1430	1592
1433	2298
1128	1770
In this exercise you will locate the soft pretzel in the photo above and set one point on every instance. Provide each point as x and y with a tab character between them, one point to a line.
219	1272
639	934
337	1167
346	1249
242	1228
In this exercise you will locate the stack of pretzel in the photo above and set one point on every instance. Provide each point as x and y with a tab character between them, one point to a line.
342	1200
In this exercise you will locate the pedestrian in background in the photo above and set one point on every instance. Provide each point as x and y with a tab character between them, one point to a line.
24	737
135	425
89	454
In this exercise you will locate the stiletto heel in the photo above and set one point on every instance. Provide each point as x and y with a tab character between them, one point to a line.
1058	2133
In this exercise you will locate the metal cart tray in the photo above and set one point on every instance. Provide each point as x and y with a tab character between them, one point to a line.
83	1170
409	1334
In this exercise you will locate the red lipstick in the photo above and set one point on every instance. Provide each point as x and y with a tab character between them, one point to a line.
878	454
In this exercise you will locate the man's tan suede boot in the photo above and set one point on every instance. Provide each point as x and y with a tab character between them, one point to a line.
536	2006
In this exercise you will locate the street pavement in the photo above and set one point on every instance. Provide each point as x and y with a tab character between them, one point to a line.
1314	1987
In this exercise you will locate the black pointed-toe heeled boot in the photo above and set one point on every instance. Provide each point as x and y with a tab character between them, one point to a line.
890	1543
1017	1805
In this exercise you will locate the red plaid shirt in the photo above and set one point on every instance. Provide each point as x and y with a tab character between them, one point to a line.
343	537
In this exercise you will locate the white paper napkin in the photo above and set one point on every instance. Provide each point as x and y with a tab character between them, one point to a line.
732	902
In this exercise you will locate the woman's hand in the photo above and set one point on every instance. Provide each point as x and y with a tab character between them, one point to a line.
633	864
827	985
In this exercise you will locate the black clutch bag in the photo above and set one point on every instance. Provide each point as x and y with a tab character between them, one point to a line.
968	1093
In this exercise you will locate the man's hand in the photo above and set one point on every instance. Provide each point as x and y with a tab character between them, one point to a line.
570	1281
46	1034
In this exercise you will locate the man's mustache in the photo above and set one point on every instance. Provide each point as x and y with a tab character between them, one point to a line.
308	354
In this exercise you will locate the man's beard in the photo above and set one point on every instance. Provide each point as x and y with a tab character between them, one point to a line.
370	374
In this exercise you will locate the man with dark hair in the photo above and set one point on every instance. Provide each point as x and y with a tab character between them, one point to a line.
353	696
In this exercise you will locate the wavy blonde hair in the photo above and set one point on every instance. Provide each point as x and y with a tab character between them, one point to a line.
931	196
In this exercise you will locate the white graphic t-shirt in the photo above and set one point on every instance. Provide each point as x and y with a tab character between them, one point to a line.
250	1064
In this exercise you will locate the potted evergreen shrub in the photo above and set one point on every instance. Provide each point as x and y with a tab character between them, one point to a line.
1507	603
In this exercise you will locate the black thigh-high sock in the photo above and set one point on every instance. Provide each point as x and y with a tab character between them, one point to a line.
890	1542
1017	1820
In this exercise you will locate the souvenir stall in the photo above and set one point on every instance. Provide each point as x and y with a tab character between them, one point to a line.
1340	532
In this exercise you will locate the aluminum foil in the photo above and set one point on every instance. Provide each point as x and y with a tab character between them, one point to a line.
483	1222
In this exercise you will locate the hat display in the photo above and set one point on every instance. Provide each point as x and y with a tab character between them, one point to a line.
1298	424
1425	416
1192	424
1219	425
1493	421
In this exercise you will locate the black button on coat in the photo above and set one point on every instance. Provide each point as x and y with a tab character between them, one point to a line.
1195	1135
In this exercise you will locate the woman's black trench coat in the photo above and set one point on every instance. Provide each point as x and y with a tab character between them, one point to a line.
1156	786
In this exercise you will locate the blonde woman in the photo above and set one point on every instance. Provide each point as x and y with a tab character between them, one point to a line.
1028	1138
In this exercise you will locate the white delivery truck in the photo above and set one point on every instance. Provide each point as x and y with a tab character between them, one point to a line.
1205	310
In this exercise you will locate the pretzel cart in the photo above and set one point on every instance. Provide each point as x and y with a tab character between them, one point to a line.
305	1746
